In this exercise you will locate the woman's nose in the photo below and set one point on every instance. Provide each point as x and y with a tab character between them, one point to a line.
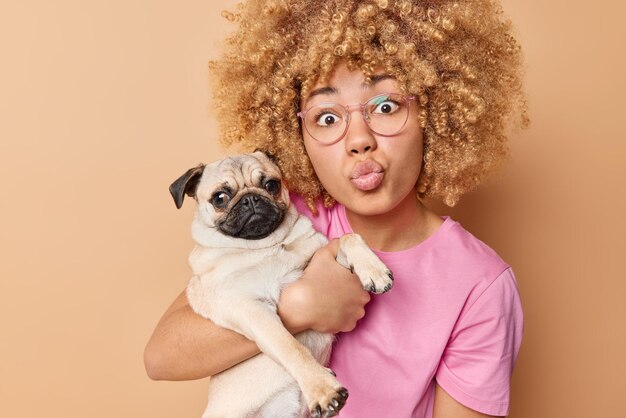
359	138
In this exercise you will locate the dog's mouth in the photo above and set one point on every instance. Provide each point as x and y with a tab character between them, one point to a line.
253	217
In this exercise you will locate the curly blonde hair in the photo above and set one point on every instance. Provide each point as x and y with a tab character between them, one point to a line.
458	57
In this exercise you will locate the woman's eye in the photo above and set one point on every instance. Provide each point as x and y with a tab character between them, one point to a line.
327	119
272	186
220	199
386	107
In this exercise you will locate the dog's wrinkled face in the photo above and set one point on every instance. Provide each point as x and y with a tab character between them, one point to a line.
241	196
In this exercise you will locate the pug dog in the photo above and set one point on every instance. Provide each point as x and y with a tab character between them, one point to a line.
250	243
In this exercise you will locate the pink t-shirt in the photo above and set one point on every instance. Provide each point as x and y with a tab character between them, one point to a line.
453	316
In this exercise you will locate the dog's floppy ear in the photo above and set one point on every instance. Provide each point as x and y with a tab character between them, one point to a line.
269	155
186	185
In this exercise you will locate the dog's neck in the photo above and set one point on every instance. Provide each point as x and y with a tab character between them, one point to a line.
211	237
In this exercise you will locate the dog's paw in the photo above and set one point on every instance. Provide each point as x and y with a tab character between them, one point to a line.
333	407
354	253
325	396
374	275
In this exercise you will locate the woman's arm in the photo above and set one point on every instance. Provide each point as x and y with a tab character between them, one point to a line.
185	346
448	407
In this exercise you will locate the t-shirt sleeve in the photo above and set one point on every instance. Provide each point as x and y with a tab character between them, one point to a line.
477	363
321	221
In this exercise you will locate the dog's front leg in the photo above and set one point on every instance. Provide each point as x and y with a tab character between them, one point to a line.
258	321
354	254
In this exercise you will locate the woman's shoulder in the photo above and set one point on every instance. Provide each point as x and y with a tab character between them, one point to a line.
324	220
468	261
465	248
451	256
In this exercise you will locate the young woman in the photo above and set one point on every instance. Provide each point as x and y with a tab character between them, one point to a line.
369	106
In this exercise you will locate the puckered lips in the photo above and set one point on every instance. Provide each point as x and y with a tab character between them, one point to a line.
367	175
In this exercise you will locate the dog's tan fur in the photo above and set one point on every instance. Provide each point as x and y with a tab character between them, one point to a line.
236	283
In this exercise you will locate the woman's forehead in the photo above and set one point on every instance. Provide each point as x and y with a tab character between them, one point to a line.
339	92
354	83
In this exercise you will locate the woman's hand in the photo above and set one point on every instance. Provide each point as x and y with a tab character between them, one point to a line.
328	298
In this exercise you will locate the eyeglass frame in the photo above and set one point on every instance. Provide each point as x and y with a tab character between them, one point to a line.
349	109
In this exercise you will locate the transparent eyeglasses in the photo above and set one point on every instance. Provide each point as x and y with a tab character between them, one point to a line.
385	115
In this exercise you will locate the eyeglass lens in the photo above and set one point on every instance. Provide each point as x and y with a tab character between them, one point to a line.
385	115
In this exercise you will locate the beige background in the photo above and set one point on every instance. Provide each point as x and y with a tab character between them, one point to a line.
104	104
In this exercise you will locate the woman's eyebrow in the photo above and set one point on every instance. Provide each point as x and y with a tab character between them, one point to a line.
322	90
377	78
332	90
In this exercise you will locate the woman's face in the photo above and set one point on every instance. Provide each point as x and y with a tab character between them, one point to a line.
368	173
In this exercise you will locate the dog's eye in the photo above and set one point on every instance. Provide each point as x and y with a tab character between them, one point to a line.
272	186
220	199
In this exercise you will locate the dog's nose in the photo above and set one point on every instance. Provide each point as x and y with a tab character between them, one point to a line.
250	200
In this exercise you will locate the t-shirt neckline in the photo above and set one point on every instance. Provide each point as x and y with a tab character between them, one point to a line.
417	248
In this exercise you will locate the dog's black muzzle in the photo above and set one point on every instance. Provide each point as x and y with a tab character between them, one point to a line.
252	217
